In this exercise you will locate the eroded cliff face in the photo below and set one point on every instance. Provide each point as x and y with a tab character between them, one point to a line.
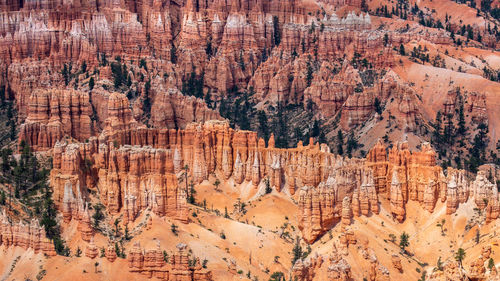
52	114
287	52
151	263
27	236
110	90
129	179
55	114
135	169
398	176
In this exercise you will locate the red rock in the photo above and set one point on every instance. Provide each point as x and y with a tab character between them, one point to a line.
91	251
316	211
172	110
346	211
482	190
396	198
396	263
110	253
339	270
306	269
53	114
477	267
31	236
85	225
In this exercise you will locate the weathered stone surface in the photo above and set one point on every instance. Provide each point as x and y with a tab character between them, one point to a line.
53	114
396	263
477	269
339	269
451	271
172	110
74	208
152	264
27	236
305	270
91	251
110	253
346	211
396	198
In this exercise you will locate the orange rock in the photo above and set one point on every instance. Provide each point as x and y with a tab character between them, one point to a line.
54	113
339	269
477	269
306	269
110	253
91	251
31	236
396	198
346	211
152	264
85	225
316	211
482	190
396	262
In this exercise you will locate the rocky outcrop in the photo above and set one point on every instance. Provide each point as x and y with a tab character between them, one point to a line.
396	262
27	236
305	270
74	208
451	271
110	253
91	251
477	269
130	179
138	178
376	159
346	238
396	198
151	263
346	211
134	169
483	190
173	110
316	211
339	269
53	114
408	176
365	198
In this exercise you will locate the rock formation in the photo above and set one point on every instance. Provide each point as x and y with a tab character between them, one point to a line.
74	208
110	89
396	263
110	253
305	270
91	251
339	269
53	114
477	269
27	236
151	263
451	271
346	211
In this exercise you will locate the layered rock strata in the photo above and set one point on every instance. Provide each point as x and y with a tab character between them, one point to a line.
135	169
151	263
27	236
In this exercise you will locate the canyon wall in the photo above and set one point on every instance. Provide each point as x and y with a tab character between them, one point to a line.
135	169
397	175
259	45
27	236
151	263
54	114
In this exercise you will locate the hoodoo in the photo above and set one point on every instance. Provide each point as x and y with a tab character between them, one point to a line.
257	140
